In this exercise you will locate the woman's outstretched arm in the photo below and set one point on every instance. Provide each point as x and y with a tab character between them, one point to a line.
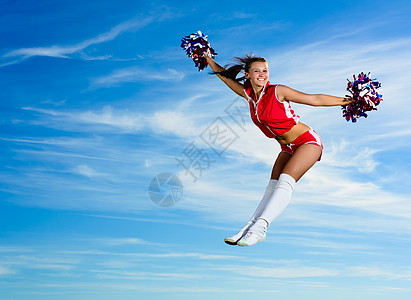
285	93
235	86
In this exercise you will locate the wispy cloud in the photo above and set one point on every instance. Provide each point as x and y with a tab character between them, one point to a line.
87	171
134	74
299	269
332	181
39	261
344	192
122	241
5	271
69	50
59	264
343	154
132	275
252	147
323	66
284	272
166	122
379	272
107	117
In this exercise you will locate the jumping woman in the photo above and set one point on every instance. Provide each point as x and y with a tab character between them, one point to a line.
270	110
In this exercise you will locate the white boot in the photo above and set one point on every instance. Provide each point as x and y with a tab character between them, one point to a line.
255	234
275	205
232	240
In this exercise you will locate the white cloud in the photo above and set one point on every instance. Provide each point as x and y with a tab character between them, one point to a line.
284	272
132	275
299	270
87	171
40	261
200	256
378	272
345	154
125	121
66	51
331	186
350	150
170	122
5	271
122	241
326	186
134	74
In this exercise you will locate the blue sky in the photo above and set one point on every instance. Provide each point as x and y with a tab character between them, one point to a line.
98	98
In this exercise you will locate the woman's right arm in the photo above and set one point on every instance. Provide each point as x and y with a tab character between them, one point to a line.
235	86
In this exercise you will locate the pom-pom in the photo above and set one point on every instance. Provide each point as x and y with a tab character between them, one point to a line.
364	93
196	45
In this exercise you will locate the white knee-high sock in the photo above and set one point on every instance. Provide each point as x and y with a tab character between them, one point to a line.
267	195
279	199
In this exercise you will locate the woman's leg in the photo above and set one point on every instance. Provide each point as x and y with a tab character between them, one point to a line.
278	166
289	169
232	240
297	165
303	159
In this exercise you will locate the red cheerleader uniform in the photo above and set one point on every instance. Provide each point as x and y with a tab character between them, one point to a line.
274	118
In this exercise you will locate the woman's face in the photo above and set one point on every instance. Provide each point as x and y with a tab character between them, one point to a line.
258	73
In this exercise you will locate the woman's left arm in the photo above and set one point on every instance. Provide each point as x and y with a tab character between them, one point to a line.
284	93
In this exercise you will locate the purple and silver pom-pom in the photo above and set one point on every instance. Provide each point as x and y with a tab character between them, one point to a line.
196	45
364	92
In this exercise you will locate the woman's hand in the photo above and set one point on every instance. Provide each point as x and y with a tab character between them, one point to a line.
348	99
207	53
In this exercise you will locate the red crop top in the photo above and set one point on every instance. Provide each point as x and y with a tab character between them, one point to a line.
273	117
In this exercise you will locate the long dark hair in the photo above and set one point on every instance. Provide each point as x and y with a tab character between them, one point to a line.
242	64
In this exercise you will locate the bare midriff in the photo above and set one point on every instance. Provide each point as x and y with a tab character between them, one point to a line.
293	133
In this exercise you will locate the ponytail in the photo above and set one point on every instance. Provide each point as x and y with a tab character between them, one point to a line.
243	64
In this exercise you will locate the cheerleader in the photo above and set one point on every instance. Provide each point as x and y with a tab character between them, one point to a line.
270	109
